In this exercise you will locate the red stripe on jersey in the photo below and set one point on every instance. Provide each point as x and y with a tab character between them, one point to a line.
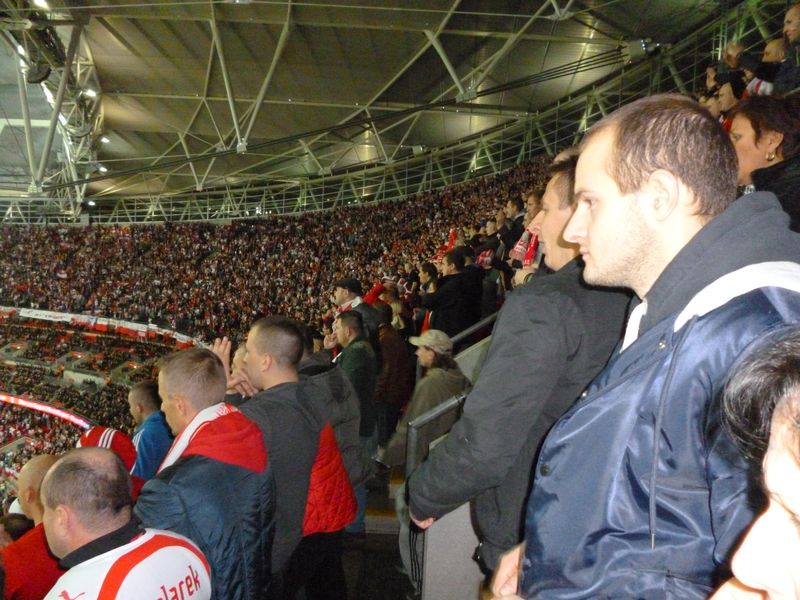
125	563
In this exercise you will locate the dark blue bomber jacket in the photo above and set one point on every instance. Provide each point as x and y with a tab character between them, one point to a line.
638	490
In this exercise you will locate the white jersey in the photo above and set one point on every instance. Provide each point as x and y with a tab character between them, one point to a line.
157	565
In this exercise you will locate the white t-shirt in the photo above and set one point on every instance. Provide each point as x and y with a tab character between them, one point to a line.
157	565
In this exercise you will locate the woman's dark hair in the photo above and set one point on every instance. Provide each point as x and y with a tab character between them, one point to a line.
772	113
442	361
768	378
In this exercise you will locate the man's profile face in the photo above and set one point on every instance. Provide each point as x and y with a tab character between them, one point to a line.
53	533
727	99
169	407
339	296
774	52
549	223
607	224
791	25
533	204
341	333
133	407
250	360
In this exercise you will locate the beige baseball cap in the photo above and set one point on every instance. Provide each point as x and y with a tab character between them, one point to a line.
436	340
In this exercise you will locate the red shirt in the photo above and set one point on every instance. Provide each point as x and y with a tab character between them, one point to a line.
30	568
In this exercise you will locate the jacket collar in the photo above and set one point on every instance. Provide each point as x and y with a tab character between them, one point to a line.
753	229
106	543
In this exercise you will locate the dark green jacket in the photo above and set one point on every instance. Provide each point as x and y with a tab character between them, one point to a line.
360	365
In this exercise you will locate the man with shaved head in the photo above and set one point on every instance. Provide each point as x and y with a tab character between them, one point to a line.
315	498
29	567
215	485
89	525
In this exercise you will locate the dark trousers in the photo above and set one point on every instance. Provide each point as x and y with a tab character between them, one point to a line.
388	415
316	568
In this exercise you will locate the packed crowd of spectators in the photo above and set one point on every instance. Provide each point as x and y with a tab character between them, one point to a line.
106	405
205	279
42	433
103	351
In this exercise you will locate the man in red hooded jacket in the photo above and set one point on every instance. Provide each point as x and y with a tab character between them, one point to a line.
214	485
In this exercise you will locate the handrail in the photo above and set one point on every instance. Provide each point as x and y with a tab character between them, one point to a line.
474	328
413	453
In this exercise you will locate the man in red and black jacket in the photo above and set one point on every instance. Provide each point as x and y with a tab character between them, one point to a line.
215	485
315	497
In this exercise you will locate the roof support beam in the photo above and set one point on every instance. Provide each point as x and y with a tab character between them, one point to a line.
284	37
197	185
312	156
26	119
205	175
673	70
378	139
241	145
507	46
437	45
758	19
75	35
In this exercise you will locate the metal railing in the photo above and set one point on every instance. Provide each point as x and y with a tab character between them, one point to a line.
417	444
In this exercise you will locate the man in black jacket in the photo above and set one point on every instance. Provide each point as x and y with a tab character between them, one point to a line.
552	337
456	299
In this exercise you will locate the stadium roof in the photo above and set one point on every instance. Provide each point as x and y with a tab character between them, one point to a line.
166	98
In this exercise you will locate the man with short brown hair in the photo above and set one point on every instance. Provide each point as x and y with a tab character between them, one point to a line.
215	485
152	437
552	336
637	491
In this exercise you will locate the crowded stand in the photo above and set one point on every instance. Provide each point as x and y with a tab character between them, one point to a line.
208	280
44	341
303	390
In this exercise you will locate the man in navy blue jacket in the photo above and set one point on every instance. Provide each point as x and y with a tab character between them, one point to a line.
638	492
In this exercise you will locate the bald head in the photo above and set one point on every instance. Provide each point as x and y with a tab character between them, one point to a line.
774	51
29	483
86	494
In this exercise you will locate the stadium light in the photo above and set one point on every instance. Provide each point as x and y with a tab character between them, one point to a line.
45	408
104	139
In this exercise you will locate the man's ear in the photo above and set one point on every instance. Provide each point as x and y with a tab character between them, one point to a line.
772	139
63	520
664	193
182	404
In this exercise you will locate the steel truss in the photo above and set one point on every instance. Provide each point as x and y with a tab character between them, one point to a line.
680	67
